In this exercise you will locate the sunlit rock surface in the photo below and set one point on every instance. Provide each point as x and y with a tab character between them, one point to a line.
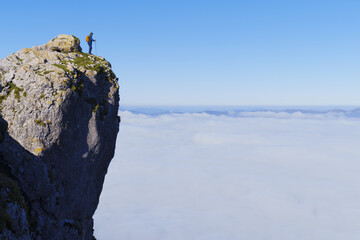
58	127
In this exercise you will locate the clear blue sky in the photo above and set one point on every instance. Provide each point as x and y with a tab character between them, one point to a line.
208	52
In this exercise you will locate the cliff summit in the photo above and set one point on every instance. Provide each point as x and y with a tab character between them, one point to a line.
58	127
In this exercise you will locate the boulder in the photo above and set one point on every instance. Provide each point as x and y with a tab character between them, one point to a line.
58	129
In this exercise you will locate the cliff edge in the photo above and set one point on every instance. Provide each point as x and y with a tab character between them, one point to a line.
58	128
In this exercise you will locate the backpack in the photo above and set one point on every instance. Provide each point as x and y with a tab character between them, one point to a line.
87	38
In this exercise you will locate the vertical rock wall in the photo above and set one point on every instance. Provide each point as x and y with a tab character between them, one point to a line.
58	127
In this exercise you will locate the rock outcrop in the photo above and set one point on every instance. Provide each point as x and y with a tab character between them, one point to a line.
58	128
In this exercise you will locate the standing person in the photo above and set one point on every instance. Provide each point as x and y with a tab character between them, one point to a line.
89	40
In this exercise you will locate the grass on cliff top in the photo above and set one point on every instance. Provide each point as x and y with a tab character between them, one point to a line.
89	62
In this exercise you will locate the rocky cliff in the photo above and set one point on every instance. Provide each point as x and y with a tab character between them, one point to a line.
58	128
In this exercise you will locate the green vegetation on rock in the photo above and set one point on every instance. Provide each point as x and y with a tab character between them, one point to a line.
90	62
78	87
62	66
42	72
12	87
40	122
94	108
54	83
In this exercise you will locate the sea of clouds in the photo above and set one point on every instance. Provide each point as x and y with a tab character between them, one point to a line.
233	175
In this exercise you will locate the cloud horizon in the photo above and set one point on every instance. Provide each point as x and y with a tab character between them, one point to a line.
202	176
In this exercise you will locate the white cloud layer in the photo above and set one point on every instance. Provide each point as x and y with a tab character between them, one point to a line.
255	176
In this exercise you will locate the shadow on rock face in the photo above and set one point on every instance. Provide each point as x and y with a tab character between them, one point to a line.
29	197
61	110
80	159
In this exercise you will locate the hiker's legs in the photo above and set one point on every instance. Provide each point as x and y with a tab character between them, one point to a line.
90	48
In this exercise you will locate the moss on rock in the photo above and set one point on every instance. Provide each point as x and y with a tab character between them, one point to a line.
40	122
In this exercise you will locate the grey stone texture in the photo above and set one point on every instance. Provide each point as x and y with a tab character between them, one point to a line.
58	129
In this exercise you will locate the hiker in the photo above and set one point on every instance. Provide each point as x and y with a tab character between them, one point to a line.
89	40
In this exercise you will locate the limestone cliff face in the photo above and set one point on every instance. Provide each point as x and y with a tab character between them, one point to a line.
58	129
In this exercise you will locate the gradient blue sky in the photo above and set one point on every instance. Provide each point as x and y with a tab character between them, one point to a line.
207	52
